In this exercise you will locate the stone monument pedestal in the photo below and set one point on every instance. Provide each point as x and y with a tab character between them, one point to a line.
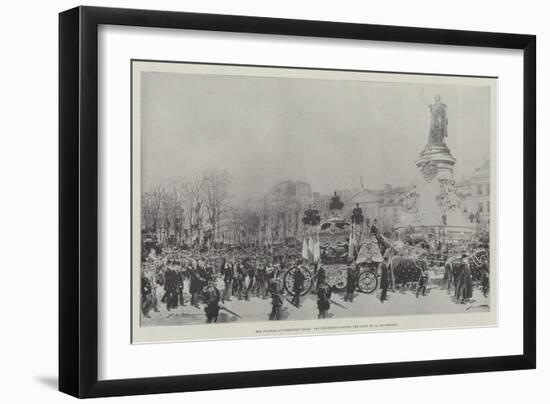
436	160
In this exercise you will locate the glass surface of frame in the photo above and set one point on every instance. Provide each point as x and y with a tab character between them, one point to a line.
81	335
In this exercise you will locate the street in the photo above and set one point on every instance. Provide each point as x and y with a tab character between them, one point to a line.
401	302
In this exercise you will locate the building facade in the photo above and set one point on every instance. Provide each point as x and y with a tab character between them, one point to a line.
386	205
476	193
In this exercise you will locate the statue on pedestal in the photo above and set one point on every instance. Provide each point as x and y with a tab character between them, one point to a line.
436	160
438	124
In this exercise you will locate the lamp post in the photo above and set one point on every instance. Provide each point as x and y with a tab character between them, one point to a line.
311	217
335	203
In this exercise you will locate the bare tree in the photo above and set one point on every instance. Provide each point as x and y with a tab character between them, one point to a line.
156	197
194	190
216	184
277	206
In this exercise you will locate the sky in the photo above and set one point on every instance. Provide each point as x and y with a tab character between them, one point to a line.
329	133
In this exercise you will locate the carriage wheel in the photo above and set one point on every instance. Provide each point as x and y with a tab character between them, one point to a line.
368	282
289	280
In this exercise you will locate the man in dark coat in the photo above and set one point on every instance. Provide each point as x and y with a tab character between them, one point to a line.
485	283
179	282
228	276
449	275
204	274
161	270
384	279
352	276
423	281
261	279
171	287
152	276
321	276
196	284
298	286
463	289
458	268
146	298
456	271
324	294
239	281
374	228
251	273
209	273
276	289
270	274
211	297
466	281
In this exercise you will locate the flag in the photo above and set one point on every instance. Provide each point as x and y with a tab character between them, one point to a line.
305	249
316	249
363	255
311	249
351	244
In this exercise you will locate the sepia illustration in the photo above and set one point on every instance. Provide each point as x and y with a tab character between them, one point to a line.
281	201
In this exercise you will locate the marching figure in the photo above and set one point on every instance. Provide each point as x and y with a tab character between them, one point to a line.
146	297
239	281
324	295
179	283
276	289
228	280
171	287
321	276
298	286
351	283
195	285
485	277
211	297
423	281
251	272
449	274
374	228
151	274
384	279
463	290
209	273
261	279
456	271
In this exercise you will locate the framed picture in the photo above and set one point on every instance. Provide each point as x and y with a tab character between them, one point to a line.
269	201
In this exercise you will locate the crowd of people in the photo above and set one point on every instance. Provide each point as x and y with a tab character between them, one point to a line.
179	278
213	281
242	278
458	274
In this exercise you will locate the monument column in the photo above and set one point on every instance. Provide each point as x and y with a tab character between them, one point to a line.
434	202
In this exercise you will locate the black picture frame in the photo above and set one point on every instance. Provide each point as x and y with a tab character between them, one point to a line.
78	200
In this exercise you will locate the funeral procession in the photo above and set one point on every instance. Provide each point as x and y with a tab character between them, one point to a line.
293	253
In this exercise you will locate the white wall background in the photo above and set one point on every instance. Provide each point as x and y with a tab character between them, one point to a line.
28	202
